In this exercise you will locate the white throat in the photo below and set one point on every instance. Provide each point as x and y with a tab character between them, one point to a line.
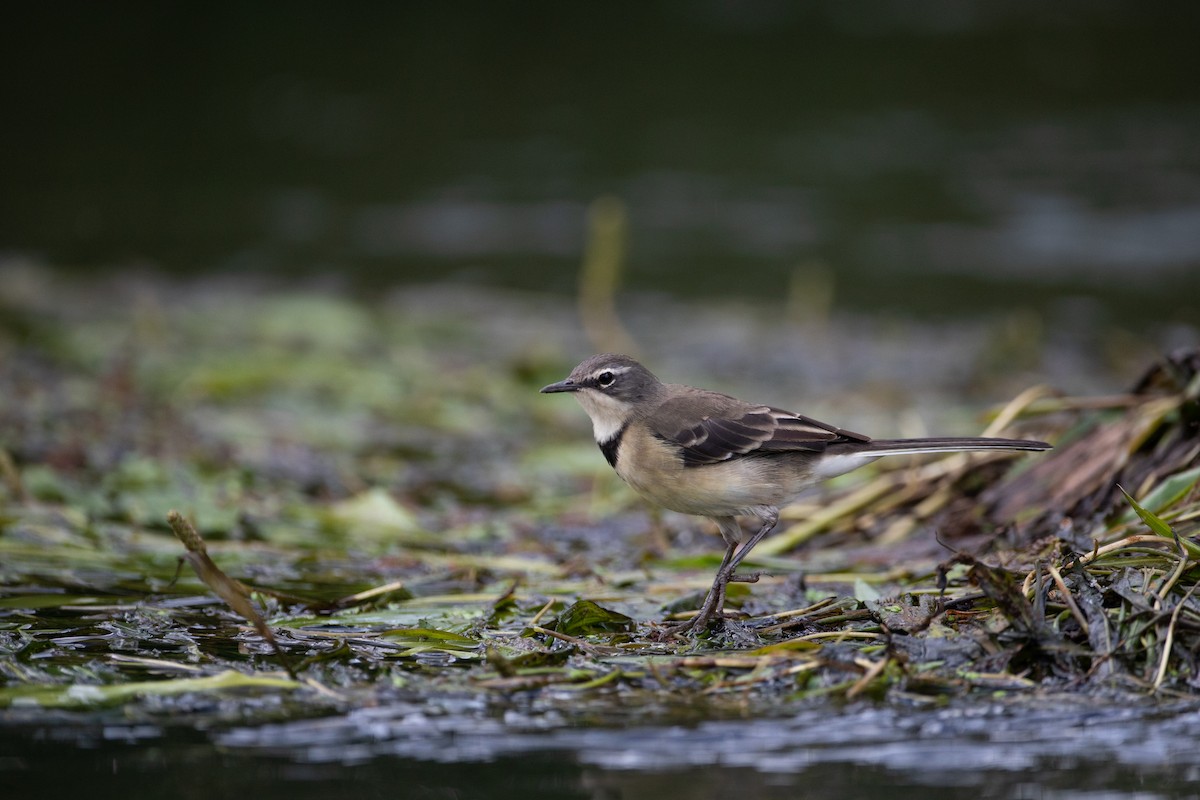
608	414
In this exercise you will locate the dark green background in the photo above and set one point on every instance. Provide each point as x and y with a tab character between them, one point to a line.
930	156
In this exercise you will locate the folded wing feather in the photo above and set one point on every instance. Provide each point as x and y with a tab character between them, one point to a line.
751	430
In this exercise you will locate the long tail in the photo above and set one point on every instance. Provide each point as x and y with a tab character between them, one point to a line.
900	447
845	456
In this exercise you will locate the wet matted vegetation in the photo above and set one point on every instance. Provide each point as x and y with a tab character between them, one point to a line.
377	511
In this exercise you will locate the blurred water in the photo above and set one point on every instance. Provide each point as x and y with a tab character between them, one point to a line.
933	156
1054	749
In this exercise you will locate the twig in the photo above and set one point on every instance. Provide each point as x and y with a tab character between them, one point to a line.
560	636
367	594
1069	599
233	592
1169	641
542	612
873	670
1014	408
796	534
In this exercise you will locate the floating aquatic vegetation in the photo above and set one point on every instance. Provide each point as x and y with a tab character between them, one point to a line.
395	516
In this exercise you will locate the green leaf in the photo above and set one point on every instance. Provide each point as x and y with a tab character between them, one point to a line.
1156	524
1171	490
91	696
788	646
36	601
430	634
1152	520
584	617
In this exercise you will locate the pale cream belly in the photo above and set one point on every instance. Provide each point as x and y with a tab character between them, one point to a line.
730	488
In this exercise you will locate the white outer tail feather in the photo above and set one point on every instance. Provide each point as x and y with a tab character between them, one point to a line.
838	464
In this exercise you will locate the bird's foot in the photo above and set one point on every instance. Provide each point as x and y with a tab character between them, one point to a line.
696	624
683	628
709	610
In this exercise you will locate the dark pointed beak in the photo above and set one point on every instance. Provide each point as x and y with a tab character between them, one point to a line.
562	386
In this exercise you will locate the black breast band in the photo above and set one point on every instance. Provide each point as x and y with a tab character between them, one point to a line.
610	446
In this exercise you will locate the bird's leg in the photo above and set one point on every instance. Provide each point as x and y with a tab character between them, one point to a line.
770	517
714	601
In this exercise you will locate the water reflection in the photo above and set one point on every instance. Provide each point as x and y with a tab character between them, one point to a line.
1056	750
941	747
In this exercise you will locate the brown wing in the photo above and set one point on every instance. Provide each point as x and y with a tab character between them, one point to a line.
753	430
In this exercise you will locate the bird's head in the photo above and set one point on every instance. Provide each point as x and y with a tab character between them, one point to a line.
612	389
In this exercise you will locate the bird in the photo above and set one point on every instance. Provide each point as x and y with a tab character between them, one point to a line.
709	454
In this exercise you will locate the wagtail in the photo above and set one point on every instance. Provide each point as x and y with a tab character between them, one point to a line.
712	455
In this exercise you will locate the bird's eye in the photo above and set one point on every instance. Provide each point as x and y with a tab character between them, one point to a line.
605	379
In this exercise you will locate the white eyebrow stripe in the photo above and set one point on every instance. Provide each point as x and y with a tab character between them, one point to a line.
613	370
